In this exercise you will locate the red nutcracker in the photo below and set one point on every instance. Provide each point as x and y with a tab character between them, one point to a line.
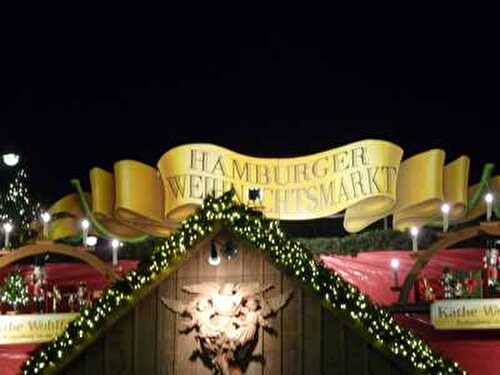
470	284
37	287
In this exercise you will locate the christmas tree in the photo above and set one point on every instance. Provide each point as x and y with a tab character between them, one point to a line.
14	291
17	206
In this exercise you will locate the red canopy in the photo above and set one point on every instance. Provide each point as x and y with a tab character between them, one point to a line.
476	351
12	357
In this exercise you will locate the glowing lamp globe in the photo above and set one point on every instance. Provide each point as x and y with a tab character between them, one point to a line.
445	208
395	263
91	241
10	159
85	224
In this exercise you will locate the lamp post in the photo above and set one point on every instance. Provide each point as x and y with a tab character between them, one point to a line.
395	269
45	224
115	244
7	228
445	209
488	198
414	238
85	231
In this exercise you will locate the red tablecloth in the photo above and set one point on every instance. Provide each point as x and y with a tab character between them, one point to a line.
12	357
476	351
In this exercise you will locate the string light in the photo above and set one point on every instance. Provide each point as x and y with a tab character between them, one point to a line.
345	299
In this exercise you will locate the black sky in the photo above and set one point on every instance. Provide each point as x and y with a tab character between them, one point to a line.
87	92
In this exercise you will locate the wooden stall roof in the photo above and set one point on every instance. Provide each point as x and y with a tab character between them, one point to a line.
374	325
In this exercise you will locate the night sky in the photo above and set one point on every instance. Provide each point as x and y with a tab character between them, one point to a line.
91	92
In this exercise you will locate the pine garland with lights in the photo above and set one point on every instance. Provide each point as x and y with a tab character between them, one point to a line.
372	240
13	291
340	297
17	204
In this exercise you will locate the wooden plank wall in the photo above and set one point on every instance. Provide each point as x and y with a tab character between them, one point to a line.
307	340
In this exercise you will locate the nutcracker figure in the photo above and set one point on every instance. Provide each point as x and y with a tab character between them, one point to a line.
447	281
429	294
459	289
55	294
491	265
71	302
82	295
470	284
38	287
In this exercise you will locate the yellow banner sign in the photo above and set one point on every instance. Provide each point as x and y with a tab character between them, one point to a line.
33	328
359	176
466	314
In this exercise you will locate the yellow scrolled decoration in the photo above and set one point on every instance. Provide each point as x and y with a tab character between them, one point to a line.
68	225
456	186
420	189
102	184
366	179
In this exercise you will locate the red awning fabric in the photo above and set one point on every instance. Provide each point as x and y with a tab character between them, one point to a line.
371	270
12	357
476	351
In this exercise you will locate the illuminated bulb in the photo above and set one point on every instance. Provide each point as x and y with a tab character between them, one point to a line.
488	198
91	241
115	244
489	205
395	263
10	159
445	209
85	231
7	227
45	217
45	224
85	224
414	231
414	238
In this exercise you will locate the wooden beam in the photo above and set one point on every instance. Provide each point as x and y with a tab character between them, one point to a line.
57	248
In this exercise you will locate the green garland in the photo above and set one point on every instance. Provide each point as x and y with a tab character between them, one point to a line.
97	225
356	243
342	298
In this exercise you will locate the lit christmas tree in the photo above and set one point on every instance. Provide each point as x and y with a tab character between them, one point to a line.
17	206
14	291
